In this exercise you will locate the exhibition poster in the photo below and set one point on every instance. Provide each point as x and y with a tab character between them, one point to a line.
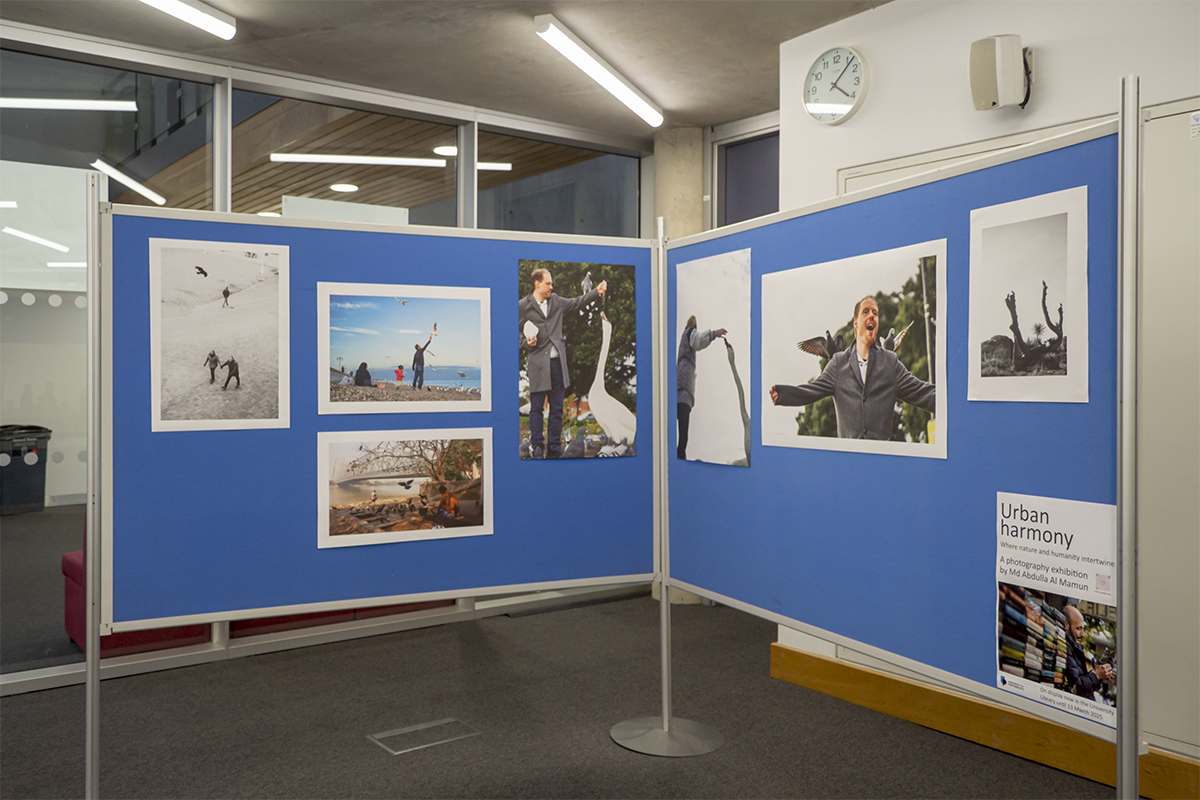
1056	613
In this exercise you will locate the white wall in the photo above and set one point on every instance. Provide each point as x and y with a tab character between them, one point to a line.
920	97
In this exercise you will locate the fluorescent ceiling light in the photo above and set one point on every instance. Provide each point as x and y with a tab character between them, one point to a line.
269	214
380	161
8	203
204	17
344	187
50	104
37	240
116	174
58	264
561	39
450	151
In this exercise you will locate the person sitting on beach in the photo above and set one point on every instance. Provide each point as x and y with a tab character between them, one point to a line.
362	377
449	507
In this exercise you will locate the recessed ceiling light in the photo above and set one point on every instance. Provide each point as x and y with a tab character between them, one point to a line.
574	50
269	214
8	203
52	104
116	174
29	237
382	161
344	187
447	150
204	17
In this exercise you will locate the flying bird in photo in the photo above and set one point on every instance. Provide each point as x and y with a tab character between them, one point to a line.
823	346
893	339
401	302
406	484
200	271
461	373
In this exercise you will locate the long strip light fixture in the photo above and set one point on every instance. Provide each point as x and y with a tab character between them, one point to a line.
117	175
64	104
204	17
574	50
29	237
450	151
381	161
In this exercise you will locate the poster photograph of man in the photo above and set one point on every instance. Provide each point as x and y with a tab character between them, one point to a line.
376	487
712	359
390	348
852	357
218	335
1028	300
577	379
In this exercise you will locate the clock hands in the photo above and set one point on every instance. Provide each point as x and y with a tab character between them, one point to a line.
834	85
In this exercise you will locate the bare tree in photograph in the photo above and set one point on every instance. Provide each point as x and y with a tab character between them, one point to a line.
442	460
1027	356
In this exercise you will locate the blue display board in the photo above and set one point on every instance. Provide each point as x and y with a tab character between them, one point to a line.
212	524
895	552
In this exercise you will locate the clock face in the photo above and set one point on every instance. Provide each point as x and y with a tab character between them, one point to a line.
835	86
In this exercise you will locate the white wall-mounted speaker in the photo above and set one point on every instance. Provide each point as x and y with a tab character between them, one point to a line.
997	72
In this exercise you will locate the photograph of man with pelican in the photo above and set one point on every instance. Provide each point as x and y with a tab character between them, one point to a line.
578	360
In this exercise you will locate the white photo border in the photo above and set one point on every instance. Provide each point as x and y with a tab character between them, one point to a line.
325	438
848	266
1069	388
325	290
157	423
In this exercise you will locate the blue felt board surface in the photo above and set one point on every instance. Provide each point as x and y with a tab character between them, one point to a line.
897	552
214	523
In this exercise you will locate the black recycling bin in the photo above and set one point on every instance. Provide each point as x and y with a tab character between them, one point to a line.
23	468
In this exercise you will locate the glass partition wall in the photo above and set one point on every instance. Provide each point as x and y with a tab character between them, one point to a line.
157	148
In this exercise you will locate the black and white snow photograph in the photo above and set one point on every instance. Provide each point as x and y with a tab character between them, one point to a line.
1028	300
218	335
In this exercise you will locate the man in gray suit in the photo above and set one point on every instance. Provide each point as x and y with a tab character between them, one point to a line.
865	382
541	314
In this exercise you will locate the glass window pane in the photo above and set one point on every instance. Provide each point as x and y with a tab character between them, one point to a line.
553	188
164	144
749	179
265	124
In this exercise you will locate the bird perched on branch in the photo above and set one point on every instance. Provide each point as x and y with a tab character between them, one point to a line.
823	346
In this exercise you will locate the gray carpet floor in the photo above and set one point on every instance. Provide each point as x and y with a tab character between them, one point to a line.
544	689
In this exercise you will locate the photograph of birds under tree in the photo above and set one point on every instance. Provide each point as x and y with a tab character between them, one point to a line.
901	313
600	404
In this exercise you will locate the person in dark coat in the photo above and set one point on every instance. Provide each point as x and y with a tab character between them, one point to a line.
212	362
546	367
233	373
685	376
225	294
419	364
865	382
362	377
1081	680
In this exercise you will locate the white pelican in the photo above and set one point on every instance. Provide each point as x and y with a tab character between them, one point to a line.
618	422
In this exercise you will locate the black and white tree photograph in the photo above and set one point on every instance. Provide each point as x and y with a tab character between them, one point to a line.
1028	307
218	335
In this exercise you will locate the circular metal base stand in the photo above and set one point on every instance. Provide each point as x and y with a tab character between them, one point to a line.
686	738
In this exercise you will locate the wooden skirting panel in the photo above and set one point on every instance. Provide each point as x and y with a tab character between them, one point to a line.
1162	776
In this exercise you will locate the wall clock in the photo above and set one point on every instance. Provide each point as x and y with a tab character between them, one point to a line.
836	85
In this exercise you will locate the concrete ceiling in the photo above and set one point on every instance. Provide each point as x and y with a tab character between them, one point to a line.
705	62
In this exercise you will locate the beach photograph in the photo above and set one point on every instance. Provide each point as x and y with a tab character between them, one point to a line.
393	348
218	335
376	487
